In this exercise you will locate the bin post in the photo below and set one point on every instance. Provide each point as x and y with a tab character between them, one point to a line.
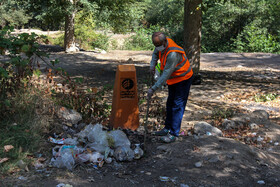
125	110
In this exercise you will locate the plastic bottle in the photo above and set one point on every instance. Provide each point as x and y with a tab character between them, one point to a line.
138	152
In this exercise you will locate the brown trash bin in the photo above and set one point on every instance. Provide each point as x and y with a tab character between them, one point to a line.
125	110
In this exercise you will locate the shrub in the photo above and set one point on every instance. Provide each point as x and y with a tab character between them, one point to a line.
256	39
141	40
85	35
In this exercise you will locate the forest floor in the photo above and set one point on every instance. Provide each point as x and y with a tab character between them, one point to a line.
230	83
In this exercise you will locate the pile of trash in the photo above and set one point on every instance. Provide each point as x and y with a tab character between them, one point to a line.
93	145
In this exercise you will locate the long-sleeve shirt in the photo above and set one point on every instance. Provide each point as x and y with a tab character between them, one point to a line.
172	60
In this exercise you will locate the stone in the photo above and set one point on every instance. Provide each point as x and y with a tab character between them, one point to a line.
228	124
164	148
260	114
203	127
253	126
214	159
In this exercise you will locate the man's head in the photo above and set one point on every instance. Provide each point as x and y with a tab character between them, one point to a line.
159	40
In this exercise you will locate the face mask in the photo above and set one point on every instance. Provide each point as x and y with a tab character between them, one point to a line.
160	48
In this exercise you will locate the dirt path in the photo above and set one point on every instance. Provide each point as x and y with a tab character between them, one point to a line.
230	82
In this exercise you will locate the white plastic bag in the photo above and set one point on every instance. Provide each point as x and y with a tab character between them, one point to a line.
120	139
95	157
124	153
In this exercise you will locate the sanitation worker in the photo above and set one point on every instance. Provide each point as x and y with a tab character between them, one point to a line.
178	74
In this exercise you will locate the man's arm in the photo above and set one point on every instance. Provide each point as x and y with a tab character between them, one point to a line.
172	60
153	63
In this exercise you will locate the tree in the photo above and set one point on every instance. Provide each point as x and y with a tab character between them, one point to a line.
117	16
192	32
69	40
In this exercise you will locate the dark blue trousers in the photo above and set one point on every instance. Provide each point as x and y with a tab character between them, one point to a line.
175	106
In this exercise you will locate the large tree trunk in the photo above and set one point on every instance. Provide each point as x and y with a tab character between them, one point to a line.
192	32
69	40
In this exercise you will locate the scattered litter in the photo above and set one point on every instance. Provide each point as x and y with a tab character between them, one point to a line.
208	133
259	139
59	141
95	146
138	152
198	164
261	182
22	178
164	179
167	179
276	143
64	185
184	185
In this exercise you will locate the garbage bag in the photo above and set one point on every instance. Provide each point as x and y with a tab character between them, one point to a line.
82	157
98	136
120	139
71	141
95	157
124	153
98	147
65	160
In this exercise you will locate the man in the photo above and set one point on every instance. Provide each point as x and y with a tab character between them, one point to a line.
178	74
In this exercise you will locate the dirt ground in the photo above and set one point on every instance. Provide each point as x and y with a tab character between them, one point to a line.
229	81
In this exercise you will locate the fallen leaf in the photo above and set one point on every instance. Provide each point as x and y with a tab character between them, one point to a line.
7	148
2	160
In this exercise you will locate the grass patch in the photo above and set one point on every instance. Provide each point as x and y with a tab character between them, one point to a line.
23	126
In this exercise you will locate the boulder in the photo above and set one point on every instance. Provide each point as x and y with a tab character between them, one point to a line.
204	128
259	115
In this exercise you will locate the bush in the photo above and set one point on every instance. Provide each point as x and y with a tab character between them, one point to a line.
256	39
85	35
141	40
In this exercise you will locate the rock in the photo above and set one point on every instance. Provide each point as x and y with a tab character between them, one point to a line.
69	116
253	126
198	164
214	159
203	127
164	148
259	114
228	124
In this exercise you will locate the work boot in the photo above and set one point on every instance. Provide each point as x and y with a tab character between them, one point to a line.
162	132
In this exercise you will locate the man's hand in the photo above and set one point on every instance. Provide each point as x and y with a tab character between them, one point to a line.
150	93
152	70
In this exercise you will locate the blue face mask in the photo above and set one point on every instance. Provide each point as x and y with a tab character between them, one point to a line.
160	48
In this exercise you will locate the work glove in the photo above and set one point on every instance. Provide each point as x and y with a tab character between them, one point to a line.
150	93
152	70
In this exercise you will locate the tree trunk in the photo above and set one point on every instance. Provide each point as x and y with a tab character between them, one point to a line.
192	32
69	40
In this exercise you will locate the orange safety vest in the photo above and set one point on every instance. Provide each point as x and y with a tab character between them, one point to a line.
183	70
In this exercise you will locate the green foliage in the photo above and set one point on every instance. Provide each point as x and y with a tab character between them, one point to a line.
222	113
19	68
85	35
141	40
265	97
255	39
12	14
241	26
